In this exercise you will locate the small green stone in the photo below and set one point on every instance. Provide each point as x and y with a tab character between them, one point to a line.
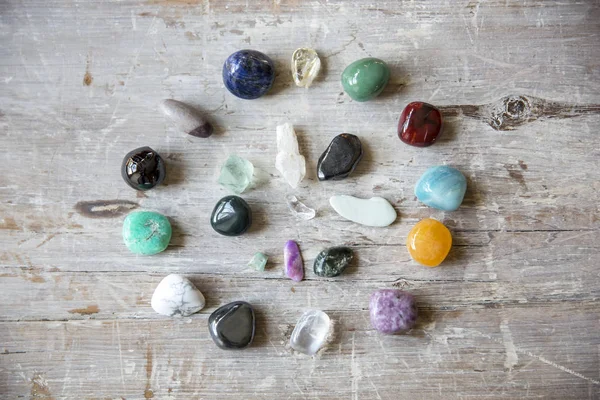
146	232
333	261
236	174
258	261
365	79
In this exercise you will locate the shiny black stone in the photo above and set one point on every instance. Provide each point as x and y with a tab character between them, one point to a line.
333	261
340	158
143	168
232	325
231	216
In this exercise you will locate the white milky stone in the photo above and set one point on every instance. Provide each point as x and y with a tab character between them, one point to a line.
175	295
289	162
310	332
305	66
375	211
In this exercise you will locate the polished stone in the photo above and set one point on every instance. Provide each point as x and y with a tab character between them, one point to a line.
232	326
375	211
231	216
333	261
289	162
299	209
305	66
441	187
248	74
365	79
146	232
392	311
420	124
186	118
429	242
176	295
258	261
236	174
294	267
341	157
143	168
311	332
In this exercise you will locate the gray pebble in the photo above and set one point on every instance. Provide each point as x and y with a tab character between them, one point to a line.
186	118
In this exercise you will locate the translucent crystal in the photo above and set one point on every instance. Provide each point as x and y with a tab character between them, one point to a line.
236	174
305	66
289	162
311	331
299	209
258	261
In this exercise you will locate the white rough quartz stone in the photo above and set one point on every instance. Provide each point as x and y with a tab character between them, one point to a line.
175	295
289	162
305	66
311	332
375	211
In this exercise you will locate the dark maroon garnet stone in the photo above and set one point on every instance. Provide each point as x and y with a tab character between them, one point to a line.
143	168
420	124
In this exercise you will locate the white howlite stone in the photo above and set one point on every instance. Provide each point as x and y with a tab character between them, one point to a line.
311	332
289	162
175	295
375	211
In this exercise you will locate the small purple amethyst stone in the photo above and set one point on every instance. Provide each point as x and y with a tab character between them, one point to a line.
392	311
294	268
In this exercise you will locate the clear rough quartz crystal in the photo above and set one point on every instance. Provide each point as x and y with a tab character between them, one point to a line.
236	174
258	261
289	162
299	209
305	66
311	332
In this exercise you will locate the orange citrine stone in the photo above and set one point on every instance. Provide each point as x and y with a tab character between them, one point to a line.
429	242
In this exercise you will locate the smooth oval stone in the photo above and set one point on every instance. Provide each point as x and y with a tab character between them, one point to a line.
232	326
176	295
186	118
341	157
333	261
146	232
420	124
143	168
311	332
305	66
392	311
441	187
375	211
248	74
429	242
294	267
231	216
365	79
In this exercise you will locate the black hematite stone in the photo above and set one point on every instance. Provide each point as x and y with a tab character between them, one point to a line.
340	158
143	168
232	325
333	261
231	216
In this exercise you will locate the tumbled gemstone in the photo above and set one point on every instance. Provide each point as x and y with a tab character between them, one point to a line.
176	295
143	168
341	157
258	261
236	174
333	261
420	124
248	74
146	232
365	79
305	66
186	118
231	216
375	211
441	187
299	209
311	332
392	311
429	242
294	267
232	326
289	162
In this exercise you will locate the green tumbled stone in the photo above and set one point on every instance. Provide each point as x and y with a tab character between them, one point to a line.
236	174
146	232
258	261
365	79
333	261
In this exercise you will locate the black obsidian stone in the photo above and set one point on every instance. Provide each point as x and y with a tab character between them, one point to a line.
232	325
333	261
231	216
341	157
143	168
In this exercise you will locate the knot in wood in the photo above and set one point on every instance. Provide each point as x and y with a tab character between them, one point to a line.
510	112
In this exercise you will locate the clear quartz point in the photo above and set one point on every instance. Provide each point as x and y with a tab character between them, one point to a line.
299	209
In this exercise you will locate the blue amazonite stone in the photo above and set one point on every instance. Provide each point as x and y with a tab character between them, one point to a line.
248	74
441	187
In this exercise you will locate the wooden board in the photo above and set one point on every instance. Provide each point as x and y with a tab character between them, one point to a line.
512	313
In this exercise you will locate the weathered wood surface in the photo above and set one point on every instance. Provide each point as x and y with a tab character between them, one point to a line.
514	311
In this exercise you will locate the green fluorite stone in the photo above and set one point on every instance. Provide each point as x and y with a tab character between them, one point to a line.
365	79
258	261
146	232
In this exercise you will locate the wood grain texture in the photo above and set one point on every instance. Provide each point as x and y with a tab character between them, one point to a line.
512	313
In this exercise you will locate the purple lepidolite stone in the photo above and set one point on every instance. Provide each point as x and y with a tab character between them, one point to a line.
294	269
392	311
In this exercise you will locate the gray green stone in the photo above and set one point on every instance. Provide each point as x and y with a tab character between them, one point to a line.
258	261
365	79
333	261
146	232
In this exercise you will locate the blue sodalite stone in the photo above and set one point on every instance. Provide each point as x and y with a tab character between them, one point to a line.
248	74
441	187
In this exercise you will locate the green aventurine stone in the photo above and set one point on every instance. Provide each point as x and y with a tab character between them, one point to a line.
365	79
258	261
146	232
333	261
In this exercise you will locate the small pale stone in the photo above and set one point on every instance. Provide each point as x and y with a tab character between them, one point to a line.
258	261
294	267
175	295
305	66
375	211
289	162
299	209
236	174
311	332
186	118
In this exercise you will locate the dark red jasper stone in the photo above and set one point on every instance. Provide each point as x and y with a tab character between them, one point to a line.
420	124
